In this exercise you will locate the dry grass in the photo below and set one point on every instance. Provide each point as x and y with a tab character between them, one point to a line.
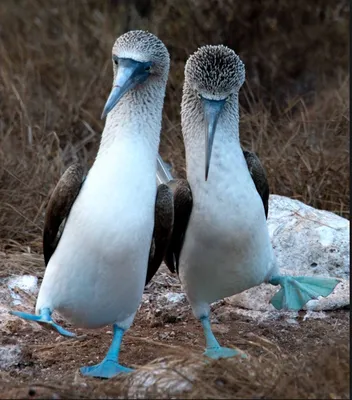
56	74
272	375
269	376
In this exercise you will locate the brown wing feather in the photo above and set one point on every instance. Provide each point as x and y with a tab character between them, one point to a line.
259	177
164	219
183	203
59	206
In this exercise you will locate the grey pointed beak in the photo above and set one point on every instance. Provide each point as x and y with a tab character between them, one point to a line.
212	110
129	74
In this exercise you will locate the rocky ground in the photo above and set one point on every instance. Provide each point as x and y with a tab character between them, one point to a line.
290	354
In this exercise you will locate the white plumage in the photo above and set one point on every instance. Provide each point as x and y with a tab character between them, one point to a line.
227	246
97	274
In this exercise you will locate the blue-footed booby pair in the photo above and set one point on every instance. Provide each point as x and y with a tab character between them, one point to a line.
220	244
117	222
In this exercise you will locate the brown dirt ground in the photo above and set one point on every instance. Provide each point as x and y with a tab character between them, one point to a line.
312	349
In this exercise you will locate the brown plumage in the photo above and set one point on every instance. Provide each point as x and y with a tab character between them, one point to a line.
59	206
183	202
258	175
164	220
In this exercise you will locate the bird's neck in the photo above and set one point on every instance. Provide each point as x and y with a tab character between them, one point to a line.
227	157
136	119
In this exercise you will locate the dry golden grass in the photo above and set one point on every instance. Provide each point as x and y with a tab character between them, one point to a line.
56	74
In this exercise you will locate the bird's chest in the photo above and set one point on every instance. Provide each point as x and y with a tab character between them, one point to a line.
102	255
227	217
227	248
111	214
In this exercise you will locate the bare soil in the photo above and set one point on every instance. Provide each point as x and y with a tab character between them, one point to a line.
309	348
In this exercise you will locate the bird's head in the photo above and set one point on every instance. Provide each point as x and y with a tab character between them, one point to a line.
137	57
214	76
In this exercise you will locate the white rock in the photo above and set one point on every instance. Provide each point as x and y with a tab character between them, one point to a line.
9	355
27	283
258	298
172	297
171	300
309	242
315	315
290	317
10	298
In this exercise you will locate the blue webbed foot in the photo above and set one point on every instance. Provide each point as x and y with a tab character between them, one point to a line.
213	349
296	291
106	369
44	318
222	352
109	367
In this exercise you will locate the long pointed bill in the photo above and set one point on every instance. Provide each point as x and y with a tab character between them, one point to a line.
212	109
129	74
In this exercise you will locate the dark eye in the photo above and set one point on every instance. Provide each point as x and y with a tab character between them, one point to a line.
147	68
116	61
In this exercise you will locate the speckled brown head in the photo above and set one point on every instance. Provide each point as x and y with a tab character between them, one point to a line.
138	57
215	72
213	78
143	47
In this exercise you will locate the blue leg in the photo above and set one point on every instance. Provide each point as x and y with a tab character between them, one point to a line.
296	291
214	350
110	366
44	317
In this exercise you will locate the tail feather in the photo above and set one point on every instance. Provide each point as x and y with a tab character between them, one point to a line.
163	175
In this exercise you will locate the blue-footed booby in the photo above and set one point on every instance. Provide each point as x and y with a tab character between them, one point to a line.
220	245
116	220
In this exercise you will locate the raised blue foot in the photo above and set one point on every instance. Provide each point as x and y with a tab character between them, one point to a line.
109	367
44	317
296	291
214	350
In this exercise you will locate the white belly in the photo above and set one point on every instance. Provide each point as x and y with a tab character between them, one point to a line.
227	246
97	274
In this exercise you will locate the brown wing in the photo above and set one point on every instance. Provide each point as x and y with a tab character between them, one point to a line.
164	219
183	203
259	177
59	206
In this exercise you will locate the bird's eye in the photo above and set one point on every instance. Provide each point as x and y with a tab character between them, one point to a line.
147	68
116	61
